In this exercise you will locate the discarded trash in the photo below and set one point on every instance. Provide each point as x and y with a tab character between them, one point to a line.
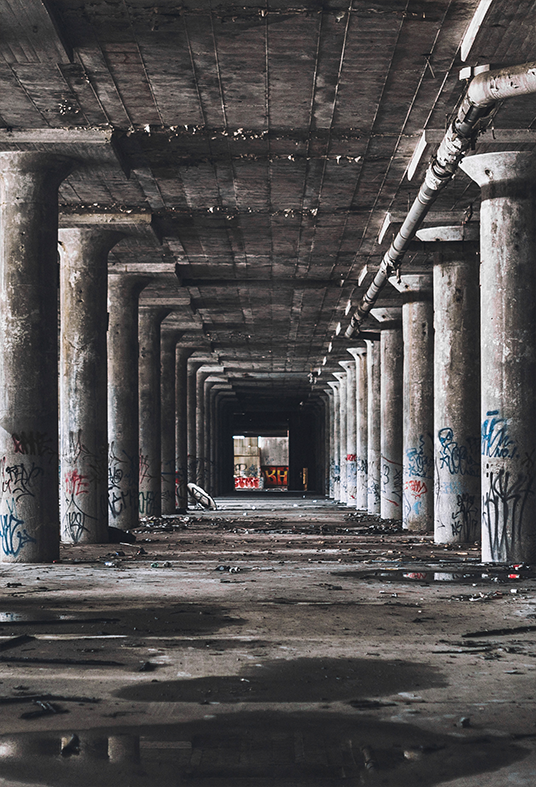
167	564
201	497
465	721
230	569
45	709
413	753
72	746
147	666
368	756
112	563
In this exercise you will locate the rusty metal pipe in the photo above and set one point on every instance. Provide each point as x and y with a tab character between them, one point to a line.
480	98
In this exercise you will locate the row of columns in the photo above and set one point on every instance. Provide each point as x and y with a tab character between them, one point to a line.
451	381
116	436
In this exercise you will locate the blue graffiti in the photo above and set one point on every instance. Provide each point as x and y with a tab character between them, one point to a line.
495	440
12	534
457	459
420	463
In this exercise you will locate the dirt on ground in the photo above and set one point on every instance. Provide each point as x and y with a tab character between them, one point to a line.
277	641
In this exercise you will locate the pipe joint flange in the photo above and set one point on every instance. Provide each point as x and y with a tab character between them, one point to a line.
434	180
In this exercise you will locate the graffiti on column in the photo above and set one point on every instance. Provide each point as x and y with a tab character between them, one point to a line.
465	518
13	534
419	467
76	486
168	480
181	492
17	482
374	490
503	505
455	458
496	442
506	490
362	466
419	464
122	473
147	499
391	481
34	443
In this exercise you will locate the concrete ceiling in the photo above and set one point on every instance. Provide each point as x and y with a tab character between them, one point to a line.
268	141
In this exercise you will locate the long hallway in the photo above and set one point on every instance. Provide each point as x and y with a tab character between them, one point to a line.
280	640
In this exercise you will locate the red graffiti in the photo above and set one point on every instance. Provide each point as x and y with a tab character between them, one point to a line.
351	457
275	476
76	484
242	482
417	488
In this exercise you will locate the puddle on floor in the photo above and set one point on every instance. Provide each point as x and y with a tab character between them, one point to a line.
296	680
252	749
179	619
430	575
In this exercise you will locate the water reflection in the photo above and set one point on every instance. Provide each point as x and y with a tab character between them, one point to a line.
314	749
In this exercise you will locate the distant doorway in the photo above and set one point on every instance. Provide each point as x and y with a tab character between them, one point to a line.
261	463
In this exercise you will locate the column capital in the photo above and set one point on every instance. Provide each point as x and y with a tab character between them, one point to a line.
346	364
357	352
341	376
490	169
417	286
456	233
389	316
89	240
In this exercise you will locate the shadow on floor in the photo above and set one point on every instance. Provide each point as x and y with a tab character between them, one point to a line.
298	680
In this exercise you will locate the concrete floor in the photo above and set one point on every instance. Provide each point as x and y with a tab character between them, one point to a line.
277	641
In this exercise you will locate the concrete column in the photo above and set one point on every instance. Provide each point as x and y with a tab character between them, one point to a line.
213	436
181	432
361	393
192	419
351	464
123	436
149	397
418	415
374	426
29	503
456	382
336	452
211	386
200	427
168	346
343	485
83	383
330	435
391	366
508	353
